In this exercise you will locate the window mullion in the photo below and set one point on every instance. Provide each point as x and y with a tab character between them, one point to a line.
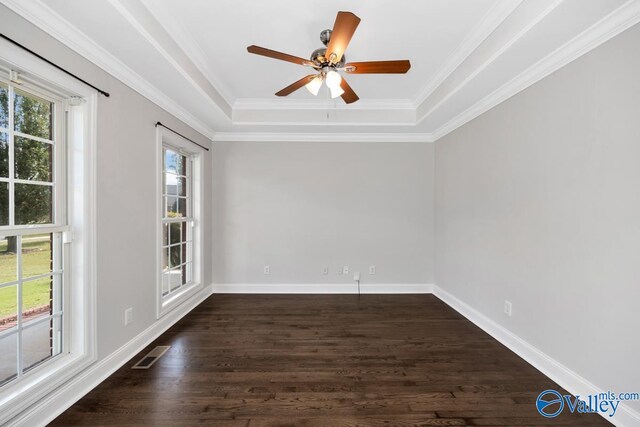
34	182
32	137
26	230
167	220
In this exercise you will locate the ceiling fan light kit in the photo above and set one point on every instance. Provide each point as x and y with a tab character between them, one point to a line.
333	80
314	85
327	61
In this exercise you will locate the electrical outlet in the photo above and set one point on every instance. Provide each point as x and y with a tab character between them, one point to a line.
372	269
128	316
267	269
339	270
356	276
507	308
345	269
325	270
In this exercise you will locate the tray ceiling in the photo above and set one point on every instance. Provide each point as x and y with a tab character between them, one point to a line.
190	58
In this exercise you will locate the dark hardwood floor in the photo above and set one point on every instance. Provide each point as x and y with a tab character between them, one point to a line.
323	360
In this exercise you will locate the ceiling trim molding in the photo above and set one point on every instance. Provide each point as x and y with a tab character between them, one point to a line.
191	49
399	112
523	31
321	104
325	123
605	29
321	137
140	27
59	28
498	13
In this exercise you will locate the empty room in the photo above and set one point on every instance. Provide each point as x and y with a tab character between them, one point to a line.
330	213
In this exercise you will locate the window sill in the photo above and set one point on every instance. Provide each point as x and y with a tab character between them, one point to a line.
39	382
178	298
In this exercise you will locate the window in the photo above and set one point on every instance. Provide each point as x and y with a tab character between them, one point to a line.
179	214
177	222
32	220
47	243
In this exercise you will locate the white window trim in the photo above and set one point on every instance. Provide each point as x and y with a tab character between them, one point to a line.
58	226
166	137
81	329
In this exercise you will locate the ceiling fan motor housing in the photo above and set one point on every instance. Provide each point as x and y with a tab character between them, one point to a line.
319	55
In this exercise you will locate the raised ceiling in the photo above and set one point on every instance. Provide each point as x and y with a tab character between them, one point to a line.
467	56
219	33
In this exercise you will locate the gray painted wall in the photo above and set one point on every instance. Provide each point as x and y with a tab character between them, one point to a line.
300	206
126	191
538	202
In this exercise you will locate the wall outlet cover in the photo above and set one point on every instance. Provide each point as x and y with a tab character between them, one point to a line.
508	308
128	316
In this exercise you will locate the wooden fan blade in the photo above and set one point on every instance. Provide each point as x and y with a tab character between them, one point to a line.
343	29
295	86
378	67
349	95
278	55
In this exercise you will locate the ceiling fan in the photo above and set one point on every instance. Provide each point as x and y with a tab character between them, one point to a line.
327	61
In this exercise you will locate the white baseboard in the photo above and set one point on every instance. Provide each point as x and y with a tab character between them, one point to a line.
565	377
322	288
56	403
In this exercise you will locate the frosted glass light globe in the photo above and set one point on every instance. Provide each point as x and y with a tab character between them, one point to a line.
336	92
314	85
333	80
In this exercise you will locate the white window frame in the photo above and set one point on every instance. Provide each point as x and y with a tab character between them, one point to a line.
77	148
168	139
56	227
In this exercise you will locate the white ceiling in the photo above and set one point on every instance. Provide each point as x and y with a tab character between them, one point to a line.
467	55
219	33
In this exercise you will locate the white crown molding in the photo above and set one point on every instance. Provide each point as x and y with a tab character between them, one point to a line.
320	137
487	25
323	112
490	60
325	123
210	93
492	19
53	24
608	27
321	104
191	49
294	113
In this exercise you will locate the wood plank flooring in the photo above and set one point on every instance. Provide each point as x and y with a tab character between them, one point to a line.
323	360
